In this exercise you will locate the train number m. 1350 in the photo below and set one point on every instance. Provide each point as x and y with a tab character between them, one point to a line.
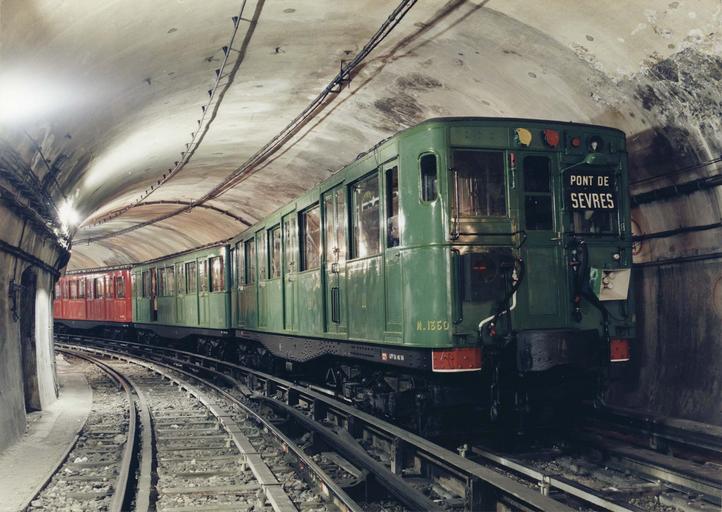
590	191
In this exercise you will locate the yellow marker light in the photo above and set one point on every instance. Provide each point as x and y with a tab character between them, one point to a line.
523	136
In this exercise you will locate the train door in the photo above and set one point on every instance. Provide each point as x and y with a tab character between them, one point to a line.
542	251
392	255
334	205
290	269
203	294
153	295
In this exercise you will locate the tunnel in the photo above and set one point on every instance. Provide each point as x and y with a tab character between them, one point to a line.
133	130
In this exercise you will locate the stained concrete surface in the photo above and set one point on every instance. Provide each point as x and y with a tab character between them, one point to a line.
25	465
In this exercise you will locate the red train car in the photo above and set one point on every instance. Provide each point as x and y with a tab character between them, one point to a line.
87	300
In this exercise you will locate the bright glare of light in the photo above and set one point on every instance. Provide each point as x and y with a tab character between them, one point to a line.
69	216
28	95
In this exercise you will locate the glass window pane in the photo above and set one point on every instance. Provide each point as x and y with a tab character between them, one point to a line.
275	243
289	236
81	288
170	285
427	163
341	223
217	277
240	264
365	217
161	282
180	273
311	238
537	174
119	287
98	287
73	289
393	235
251	261
329	227
192	277
592	221
479	176
262	249
203	275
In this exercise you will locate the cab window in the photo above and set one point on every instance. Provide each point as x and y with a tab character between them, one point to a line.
538	193
478	184
427	167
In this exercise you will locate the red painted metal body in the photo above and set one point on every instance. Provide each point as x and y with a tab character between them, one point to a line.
98	297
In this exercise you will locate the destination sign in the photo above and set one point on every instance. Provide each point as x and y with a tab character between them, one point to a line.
590	191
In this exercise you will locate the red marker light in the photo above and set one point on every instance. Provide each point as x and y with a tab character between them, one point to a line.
551	137
619	351
576	142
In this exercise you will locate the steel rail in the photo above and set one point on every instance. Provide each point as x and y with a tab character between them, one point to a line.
477	478
122	482
328	485
658	429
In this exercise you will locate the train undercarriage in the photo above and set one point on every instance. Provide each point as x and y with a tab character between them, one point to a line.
500	396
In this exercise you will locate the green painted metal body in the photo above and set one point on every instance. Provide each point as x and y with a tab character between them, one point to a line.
176	302
412	294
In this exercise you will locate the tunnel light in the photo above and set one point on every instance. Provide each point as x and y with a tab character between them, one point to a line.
26	96
69	216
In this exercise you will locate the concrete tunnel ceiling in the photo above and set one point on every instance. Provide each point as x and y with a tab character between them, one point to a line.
119	87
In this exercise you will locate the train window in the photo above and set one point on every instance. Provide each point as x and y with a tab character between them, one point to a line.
119	287
191	277
73	289
427	165
537	187
146	283
393	235
329	225
478	182
290	234
250	261
593	221
203	276
311	238
262	248
275	248
162	281
180	274
537	174
170	281
217	277
98	287
240	264
81	288
365	218
58	291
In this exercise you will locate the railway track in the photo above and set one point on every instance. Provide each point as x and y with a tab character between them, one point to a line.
96	472
416	473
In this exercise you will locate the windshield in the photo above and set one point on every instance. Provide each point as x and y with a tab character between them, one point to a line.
478	181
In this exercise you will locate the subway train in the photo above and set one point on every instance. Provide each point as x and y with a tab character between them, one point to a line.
470	264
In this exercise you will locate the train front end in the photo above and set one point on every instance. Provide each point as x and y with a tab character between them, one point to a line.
541	256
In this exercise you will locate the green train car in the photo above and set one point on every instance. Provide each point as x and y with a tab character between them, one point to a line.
483	252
